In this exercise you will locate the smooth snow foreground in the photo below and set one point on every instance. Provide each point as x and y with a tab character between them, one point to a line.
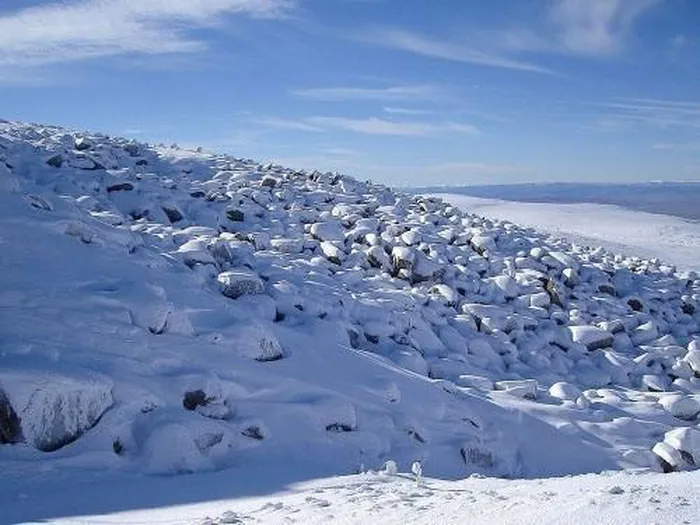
168	312
610	499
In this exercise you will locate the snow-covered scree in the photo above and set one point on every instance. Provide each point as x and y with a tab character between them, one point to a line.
168	311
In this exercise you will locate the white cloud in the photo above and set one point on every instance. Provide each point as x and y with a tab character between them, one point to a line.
595	27
418	92
376	126
430	47
407	111
59	32
660	113
281	123
369	126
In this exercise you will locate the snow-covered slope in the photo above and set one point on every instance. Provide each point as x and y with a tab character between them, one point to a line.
170	311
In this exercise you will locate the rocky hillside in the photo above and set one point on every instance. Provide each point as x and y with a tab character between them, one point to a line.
166	310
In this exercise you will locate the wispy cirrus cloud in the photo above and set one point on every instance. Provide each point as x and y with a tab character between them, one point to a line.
393	110
419	44
377	126
574	27
392	93
655	112
82	29
368	126
283	123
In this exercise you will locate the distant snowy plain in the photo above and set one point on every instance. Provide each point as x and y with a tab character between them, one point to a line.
646	220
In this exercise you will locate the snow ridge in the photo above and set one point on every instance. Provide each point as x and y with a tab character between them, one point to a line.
169	311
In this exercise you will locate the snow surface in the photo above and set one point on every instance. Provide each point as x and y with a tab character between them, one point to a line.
626	498
210	328
621	230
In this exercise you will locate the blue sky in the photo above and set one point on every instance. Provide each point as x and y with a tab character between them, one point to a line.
408	92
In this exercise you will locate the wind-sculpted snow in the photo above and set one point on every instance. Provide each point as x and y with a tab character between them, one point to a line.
180	311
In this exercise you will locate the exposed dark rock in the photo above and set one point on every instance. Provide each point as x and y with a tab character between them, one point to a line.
607	289
340	427
132	149
415	435
194	399
666	467
551	288
268	182
253	432
122	186
173	214
235	215
56	161
10	428
635	304
118	447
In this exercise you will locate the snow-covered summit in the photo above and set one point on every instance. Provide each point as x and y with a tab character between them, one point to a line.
167	310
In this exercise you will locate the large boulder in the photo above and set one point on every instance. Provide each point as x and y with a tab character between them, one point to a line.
53	409
235	283
681	406
592	337
328	231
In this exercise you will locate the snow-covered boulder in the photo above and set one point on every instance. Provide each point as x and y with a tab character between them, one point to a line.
235	283
680	449
681	406
196	251
403	257
669	458
687	441
378	258
174	447
693	360
285	245
565	391
655	382
506	284
592	337
332	252
645	333
328	231
54	409
472	381
256	341
525	388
